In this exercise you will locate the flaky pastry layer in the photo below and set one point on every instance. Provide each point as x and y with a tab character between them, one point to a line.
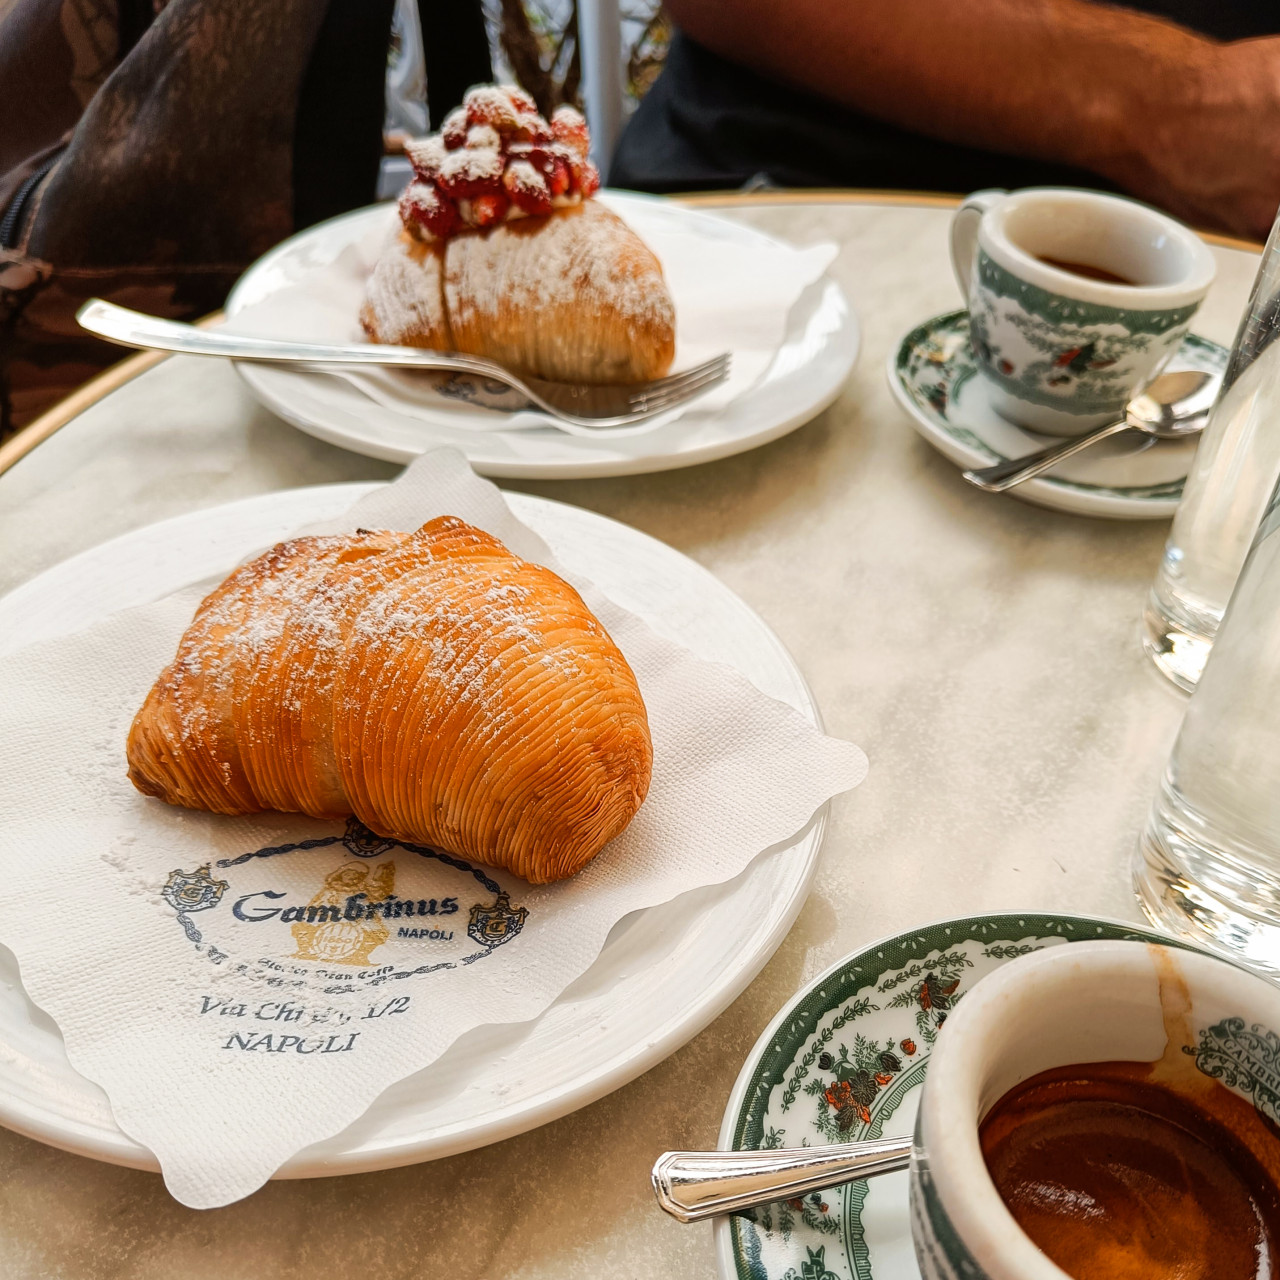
433	684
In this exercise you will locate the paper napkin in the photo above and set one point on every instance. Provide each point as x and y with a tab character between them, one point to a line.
244	987
730	295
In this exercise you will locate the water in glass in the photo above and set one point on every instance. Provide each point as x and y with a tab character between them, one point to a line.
1235	468
1209	861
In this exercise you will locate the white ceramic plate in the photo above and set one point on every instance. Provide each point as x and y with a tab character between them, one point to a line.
807	373
844	1061
662	975
933	375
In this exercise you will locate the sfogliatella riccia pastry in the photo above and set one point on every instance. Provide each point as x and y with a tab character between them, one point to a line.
433	684
502	252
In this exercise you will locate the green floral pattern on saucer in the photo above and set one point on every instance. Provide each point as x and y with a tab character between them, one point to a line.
930	373
843	1062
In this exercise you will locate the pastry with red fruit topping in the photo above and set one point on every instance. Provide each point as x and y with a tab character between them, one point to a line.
426	155
425	205
501	252
527	188
493	105
470	171
497	145
521	100
570	127
453	133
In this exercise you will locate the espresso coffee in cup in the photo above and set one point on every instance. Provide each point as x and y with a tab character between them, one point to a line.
1087	270
1103	1109
1112	1172
1076	299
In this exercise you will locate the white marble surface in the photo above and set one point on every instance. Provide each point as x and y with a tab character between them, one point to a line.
983	652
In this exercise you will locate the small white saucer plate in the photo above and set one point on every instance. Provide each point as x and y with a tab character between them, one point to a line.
663	974
809	370
933	375
844	1061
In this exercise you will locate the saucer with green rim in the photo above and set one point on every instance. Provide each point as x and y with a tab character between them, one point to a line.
844	1061
934	376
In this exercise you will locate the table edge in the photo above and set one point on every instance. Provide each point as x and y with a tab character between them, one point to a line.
98	388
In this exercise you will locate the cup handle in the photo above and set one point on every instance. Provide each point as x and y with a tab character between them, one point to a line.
964	233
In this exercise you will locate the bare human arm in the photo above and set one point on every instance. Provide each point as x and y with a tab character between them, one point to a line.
1168	115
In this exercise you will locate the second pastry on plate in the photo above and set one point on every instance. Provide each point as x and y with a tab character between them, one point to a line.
788	326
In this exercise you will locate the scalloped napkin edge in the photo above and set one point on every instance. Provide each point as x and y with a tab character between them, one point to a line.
142	1003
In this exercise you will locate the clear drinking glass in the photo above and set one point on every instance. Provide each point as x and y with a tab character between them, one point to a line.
1233	473
1209	860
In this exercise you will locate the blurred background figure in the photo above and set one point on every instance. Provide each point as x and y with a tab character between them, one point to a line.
1174	101
151	149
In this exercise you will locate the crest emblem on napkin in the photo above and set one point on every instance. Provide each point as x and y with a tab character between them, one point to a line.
392	911
187	891
492	926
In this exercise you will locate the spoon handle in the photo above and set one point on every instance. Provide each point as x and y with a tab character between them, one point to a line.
693	1185
1013	471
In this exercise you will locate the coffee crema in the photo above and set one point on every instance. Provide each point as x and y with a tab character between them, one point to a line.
1085	269
1116	1176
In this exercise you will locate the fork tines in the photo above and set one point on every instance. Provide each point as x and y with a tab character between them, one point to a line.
653	397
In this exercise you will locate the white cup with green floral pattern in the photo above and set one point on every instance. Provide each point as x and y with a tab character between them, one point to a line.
1090	1002
1064	351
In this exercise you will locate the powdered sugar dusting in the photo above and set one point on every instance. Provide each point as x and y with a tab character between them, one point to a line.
491	104
496	159
469	166
483	136
521	176
529	272
426	154
584	260
404	299
574	296
430	683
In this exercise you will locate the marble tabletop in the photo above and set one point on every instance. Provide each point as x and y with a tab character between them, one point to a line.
984	652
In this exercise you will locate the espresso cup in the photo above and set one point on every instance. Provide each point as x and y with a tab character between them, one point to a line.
1090	1002
1063	351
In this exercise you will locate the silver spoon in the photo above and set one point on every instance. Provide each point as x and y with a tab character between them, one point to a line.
693	1185
1173	406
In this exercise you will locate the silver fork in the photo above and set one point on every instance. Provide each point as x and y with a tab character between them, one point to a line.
577	404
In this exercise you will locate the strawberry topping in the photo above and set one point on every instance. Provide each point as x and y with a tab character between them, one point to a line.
489	104
481	137
496	158
527	188
531	127
426	206
467	173
426	155
486	210
560	179
569	127
521	100
454	129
